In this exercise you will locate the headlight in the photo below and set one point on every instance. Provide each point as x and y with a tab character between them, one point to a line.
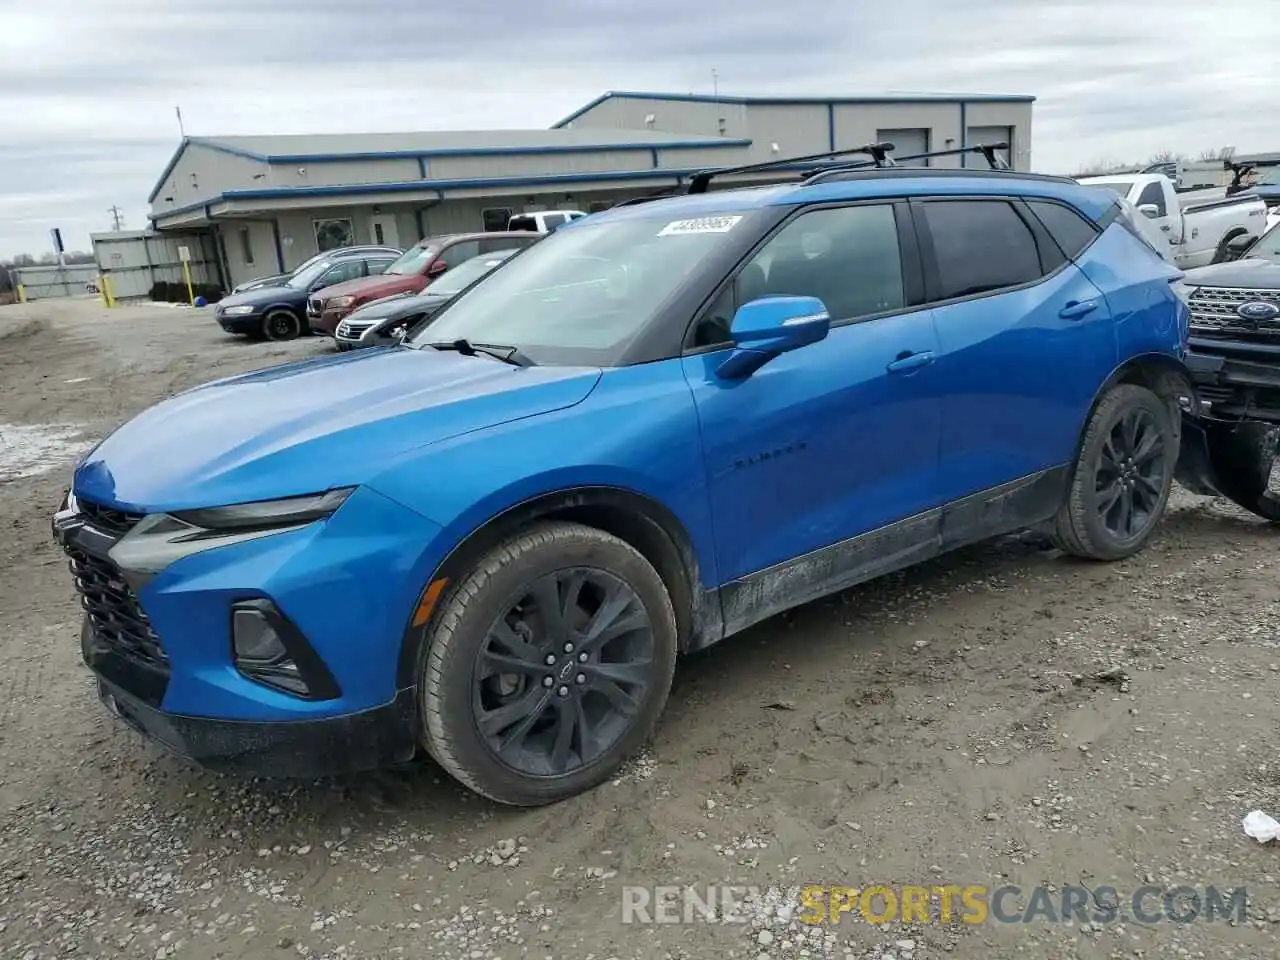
240	311
1183	290
160	539
341	302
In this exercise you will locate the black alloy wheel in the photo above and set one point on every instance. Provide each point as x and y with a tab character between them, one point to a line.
281	325
546	664
563	672
1120	483
1132	474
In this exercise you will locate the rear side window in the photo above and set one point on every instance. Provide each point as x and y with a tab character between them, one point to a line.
1069	230
979	246
505	243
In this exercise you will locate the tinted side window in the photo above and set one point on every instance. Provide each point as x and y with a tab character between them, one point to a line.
338	273
459	252
979	246
847	257
378	266
1152	194
1071	231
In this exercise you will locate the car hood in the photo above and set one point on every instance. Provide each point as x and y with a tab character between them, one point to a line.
1252	273
311	426
367	288
276	281
262	297
400	306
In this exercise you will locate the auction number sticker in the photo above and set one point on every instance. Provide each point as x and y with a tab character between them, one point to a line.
700	225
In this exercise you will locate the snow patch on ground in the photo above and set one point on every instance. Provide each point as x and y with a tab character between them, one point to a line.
29	450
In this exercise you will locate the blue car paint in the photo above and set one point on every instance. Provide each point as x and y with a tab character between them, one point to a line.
438	444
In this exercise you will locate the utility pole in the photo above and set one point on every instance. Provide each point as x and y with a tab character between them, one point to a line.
181	130
117	218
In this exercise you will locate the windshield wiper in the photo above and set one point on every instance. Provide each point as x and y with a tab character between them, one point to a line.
511	355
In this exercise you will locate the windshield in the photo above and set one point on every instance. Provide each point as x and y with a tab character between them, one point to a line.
581	295
412	260
1270	177
1119	187
467	272
309	275
316	258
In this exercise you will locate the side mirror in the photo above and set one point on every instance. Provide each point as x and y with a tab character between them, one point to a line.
1149	210
1237	247
437	267
770	326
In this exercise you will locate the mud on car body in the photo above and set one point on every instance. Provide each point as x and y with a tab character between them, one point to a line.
656	427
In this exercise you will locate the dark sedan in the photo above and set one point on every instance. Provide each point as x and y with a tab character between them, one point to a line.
376	324
279	312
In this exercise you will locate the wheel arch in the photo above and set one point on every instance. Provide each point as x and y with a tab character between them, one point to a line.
1165	376
1220	249
639	520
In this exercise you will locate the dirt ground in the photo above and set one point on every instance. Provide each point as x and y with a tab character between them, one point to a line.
1002	716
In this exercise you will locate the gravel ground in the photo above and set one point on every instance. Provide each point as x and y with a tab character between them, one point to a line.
1002	716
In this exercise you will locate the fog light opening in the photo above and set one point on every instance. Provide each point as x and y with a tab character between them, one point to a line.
270	650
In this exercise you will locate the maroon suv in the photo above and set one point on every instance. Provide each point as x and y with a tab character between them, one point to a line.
416	268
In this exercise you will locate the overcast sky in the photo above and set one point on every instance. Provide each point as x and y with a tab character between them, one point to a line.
88	87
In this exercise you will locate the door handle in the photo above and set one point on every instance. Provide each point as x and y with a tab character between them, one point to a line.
1166	228
1077	309
910	361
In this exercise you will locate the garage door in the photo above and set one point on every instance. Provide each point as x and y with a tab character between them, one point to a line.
979	135
906	142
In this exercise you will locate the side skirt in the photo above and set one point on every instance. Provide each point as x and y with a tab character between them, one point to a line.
1006	508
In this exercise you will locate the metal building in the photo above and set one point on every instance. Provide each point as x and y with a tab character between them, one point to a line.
267	203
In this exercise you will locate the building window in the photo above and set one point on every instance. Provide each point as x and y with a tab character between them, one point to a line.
246	246
331	234
495	218
377	234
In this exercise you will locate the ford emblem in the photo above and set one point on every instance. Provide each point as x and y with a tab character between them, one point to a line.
1258	311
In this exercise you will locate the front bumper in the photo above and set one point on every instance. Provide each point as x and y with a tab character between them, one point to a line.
245	323
366	740
326	321
162	647
1236	381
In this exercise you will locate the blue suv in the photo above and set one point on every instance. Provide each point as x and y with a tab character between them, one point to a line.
662	424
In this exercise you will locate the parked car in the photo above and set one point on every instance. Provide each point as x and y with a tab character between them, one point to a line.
383	323
1235	362
417	267
279	313
544	221
1198	230
279	279
658	426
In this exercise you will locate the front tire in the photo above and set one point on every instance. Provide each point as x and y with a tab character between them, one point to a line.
1122	478
547	665
281	325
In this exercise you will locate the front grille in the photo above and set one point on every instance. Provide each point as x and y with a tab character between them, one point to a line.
1215	394
1213	311
114	613
351	329
108	519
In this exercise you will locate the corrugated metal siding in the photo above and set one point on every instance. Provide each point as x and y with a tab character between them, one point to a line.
1015	115
857	124
796	130
458	168
135	261
203	173
49	282
343	172
686	118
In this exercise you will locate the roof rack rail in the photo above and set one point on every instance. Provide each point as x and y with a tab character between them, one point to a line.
659	194
988	151
879	153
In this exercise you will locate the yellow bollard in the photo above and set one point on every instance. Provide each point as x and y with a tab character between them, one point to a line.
186	273
106	290
22	293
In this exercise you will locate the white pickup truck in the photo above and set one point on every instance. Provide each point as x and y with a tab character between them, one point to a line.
1197	225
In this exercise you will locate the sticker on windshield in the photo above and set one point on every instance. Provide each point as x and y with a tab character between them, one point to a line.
700	225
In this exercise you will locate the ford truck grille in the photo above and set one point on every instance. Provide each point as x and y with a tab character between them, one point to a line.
1213	312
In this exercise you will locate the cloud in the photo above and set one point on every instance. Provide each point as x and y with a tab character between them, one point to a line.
88	88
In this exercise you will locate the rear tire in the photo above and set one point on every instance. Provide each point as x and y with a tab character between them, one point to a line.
547	665
281	325
1122	477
